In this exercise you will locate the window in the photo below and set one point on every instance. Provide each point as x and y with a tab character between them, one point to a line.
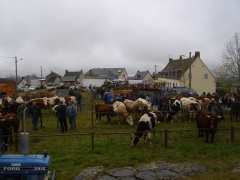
205	76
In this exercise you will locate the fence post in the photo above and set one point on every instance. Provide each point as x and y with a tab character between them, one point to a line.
154	136
165	138
232	134
92	140
92	110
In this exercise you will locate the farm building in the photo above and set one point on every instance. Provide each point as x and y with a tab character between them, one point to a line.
97	76
72	78
30	80
53	79
141	77
189	72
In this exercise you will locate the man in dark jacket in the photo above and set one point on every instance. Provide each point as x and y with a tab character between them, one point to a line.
35	112
61	115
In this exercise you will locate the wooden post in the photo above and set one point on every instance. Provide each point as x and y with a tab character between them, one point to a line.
165	138
154	136
92	121
232	134
92	111
92	140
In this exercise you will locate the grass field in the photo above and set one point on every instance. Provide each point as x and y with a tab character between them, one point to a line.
71	153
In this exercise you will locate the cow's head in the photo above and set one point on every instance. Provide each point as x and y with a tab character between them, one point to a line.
130	120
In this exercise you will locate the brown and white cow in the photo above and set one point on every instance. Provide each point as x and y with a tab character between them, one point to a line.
120	109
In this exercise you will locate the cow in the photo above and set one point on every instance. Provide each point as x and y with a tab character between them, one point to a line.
120	109
9	126
103	109
41	102
137	106
145	125
207	121
235	109
189	106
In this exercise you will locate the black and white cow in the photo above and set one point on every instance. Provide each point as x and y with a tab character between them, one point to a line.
145	125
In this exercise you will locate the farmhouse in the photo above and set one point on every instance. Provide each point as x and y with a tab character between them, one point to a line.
141	77
72	78
30	80
189	72
97	76
53	79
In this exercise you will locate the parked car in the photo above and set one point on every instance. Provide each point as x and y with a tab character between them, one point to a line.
183	91
32	88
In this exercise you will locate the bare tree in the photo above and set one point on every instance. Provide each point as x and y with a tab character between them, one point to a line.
232	57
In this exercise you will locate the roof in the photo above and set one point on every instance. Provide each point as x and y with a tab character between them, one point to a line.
140	75
105	73
6	80
71	75
176	68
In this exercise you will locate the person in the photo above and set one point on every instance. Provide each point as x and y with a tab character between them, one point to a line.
78	96
35	113
60	110
20	115
72	114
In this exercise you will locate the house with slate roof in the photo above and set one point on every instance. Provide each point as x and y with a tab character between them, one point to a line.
97	76
53	79
141	77
30	80
72	78
189	72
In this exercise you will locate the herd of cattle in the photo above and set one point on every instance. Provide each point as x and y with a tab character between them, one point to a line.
206	110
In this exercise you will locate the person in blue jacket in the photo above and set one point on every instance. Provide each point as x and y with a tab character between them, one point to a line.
72	115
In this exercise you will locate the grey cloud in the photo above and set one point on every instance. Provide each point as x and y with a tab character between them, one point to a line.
137	34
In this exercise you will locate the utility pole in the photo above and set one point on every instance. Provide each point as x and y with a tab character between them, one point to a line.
41	76
16	69
41	72
190	71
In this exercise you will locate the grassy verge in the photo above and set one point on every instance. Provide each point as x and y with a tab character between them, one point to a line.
70	154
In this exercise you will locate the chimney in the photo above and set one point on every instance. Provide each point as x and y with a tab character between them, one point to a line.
180	57
197	53
170	59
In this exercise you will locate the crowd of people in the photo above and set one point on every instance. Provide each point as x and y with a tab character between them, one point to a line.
64	110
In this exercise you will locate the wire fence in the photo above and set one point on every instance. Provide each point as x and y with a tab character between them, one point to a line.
93	140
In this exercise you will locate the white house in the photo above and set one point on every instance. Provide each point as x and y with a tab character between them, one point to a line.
97	76
72	78
141	77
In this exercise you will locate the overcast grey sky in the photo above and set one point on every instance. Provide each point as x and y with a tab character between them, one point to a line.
136	34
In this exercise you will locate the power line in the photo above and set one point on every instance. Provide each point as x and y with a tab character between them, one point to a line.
6	57
16	60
